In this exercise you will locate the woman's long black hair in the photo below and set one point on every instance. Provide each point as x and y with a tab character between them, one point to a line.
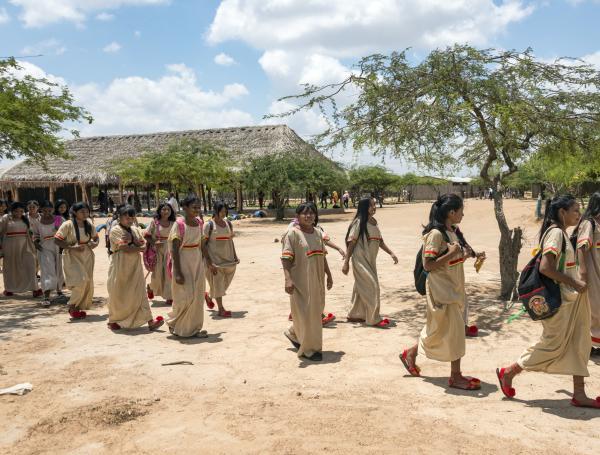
172	216
439	214
218	206
592	211
551	212
362	213
87	226
19	205
57	204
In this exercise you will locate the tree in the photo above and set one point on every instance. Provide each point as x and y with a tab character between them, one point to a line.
32	114
488	109
373	179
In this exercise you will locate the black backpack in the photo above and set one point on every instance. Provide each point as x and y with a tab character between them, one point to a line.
419	272
540	295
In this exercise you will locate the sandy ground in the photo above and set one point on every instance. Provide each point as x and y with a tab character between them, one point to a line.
101	392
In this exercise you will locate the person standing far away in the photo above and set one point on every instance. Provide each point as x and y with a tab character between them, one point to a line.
173	203
345	199
323	199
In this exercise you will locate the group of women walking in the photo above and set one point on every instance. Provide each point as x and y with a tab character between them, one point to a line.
184	253
565	345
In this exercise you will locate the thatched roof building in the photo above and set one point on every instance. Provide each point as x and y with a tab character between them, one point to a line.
91	158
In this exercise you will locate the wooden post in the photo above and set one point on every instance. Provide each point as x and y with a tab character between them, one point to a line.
15	193
84	197
52	193
238	198
120	192
157	190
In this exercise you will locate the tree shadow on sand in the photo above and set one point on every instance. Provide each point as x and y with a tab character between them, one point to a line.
486	311
20	313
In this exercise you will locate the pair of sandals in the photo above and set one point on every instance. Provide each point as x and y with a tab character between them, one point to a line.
325	318
210	304
152	326
510	392
383	324
414	370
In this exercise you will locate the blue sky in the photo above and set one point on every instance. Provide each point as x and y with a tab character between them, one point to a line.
151	65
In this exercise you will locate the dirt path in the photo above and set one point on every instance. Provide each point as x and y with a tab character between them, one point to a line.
102	392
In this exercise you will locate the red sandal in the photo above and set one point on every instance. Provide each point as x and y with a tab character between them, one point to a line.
38	293
471	331
170	302
156	324
578	404
326	319
412	370
472	383
77	314
113	326
8	294
225	314
383	324
209	303
150	292
509	392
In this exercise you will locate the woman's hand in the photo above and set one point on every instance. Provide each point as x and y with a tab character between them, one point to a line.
213	269
289	286
579	285
342	253
454	249
346	267
394	258
179	278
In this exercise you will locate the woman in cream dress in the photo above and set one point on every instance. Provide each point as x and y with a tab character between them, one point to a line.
564	347
157	235
48	252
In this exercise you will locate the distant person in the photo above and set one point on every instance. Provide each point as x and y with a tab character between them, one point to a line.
363	241
173	203
346	199
323	199
334	199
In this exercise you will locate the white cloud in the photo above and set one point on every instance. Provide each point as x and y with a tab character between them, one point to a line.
276	63
593	59
224	59
137	104
105	17
347	28
4	17
137	33
49	46
305	123
38	13
112	48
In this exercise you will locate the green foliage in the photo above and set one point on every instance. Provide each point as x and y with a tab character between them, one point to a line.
376	179
185	163
32	114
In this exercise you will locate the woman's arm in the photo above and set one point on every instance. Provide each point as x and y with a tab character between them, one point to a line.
206	256
582	254
329	276
432	264
289	283
548	268
349	251
385	248
179	279
335	247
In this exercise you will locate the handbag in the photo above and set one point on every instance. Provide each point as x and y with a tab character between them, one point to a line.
540	294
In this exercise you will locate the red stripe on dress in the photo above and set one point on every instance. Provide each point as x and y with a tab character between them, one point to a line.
457	261
13	234
315	253
222	238
194	245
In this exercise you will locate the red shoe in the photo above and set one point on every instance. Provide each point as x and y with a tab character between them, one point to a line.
8	294
471	331
225	314
113	326
509	392
170	302
156	324
150	292
209	303
413	370
577	404
326	319
76	314
383	324
38	293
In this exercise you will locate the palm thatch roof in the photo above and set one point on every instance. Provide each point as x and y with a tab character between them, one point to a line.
92	158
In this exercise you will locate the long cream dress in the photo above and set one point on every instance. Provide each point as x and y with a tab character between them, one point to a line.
443	337
49	257
78	265
160	282
127	298
187	317
222	254
565	345
19	255
366	292
307	253
591	241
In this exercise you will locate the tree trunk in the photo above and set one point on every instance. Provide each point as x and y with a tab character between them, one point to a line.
511	241
148	197
137	205
239	198
157	194
209	196
203	196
